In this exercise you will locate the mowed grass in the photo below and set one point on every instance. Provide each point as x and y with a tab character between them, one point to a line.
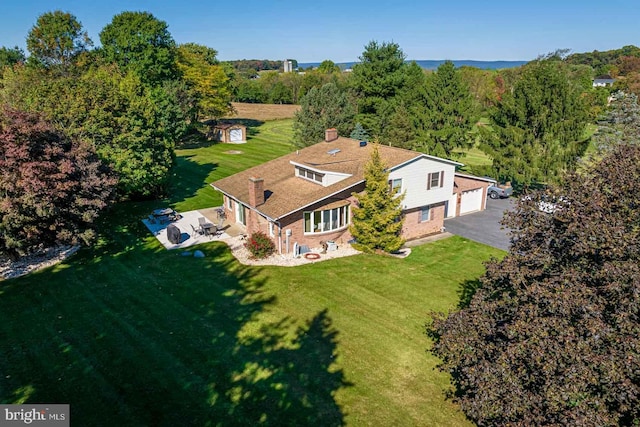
128	333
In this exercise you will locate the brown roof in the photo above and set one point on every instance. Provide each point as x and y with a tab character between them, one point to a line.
224	126
287	193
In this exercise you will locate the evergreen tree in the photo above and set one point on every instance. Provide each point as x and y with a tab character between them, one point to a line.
447	114
537	126
377	220
399	130
359	133
376	80
321	109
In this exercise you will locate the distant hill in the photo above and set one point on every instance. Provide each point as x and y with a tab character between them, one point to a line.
432	64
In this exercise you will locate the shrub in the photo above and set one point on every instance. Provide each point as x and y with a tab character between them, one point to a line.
260	245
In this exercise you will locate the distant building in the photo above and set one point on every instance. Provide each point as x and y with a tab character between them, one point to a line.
288	66
603	81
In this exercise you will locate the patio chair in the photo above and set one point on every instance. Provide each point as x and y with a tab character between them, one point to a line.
196	231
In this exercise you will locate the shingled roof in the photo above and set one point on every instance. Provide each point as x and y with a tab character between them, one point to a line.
286	193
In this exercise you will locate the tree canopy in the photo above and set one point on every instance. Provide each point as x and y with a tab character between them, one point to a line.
376	80
10	56
377	219
57	38
321	109
141	43
537	128
446	113
551	336
206	79
51	188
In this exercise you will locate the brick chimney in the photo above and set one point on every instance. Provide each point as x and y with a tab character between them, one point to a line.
330	134
256	191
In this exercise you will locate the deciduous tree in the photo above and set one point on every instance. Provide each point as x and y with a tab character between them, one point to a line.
9	57
57	38
139	42
206	79
52	189
377	220
551	336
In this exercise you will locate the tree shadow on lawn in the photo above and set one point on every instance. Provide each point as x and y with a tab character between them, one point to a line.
181	189
467	290
146	337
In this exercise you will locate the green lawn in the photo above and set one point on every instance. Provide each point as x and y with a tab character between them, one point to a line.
131	334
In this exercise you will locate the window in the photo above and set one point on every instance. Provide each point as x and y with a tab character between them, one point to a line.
425	214
435	180
395	185
326	220
229	203
309	174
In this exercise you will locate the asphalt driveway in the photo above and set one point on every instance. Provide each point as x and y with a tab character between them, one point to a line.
483	227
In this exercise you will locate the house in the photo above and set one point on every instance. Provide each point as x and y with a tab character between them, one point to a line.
228	132
306	197
603	81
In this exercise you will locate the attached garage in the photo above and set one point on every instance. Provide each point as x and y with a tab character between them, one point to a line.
471	201
469	193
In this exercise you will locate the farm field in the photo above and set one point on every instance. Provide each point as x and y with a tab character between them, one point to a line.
129	333
263	112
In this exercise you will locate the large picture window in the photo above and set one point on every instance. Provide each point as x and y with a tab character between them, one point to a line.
326	220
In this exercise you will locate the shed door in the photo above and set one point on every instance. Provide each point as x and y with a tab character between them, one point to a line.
235	135
471	201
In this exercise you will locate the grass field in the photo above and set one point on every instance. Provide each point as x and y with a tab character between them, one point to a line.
128	333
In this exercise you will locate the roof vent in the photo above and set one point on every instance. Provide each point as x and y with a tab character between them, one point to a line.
363	143
334	151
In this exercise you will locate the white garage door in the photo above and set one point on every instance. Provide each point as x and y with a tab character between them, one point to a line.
470	201
235	135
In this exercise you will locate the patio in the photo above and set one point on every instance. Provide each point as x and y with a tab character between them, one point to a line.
188	224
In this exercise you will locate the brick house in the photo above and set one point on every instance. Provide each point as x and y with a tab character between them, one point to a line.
306	197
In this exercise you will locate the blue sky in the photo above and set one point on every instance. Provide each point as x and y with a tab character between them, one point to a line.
312	31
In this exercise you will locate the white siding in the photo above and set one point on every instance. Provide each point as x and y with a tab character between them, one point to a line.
332	178
414	182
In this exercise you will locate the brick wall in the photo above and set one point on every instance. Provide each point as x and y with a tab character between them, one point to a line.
414	228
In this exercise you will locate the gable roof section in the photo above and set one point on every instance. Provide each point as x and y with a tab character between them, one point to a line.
286	193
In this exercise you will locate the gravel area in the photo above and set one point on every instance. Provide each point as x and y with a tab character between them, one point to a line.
10	269
244	256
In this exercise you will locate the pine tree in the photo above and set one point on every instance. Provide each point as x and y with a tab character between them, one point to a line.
377	220
537	126
447	114
321	109
359	133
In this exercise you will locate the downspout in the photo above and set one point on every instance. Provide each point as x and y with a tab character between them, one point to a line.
279	237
